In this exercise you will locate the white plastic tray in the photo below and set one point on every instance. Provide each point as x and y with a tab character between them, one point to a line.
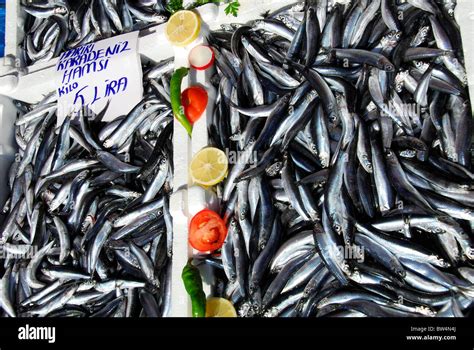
32	83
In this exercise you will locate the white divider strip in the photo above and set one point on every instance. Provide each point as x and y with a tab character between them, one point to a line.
179	212
465	17
13	27
190	199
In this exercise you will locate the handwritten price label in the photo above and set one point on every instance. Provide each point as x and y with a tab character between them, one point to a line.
94	74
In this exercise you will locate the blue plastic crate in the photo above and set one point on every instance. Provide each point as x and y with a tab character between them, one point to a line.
2	27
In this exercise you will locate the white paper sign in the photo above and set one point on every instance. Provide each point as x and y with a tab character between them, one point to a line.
96	73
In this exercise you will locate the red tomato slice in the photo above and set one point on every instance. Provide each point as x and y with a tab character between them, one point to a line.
207	231
194	101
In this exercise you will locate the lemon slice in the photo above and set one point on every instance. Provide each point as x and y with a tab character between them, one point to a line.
209	167
183	28
220	307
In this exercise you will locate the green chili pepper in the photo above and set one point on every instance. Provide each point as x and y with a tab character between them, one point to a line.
175	95
193	284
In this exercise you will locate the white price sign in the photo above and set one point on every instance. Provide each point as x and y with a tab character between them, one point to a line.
107	71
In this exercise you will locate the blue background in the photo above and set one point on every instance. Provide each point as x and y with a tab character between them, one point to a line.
2	27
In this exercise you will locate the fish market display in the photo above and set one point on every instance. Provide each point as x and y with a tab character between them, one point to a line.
54	26
352	192
87	228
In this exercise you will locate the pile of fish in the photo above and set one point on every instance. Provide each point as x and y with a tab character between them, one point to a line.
353	192
87	228
54	26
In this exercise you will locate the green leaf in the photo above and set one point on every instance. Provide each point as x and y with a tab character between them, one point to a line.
174	6
232	8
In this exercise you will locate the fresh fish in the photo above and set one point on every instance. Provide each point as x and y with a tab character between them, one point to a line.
90	20
82	224
360	199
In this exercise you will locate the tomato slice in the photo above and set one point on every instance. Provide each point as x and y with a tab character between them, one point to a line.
194	101
207	231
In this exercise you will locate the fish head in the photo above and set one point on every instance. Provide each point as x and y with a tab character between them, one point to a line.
390	155
425	311
391	39
259	24
60	10
227	27
408	153
400	271
367	164
356	276
160	18
284	19
324	158
272	312
421	66
469	253
274	169
440	261
387	66
313	147
164	161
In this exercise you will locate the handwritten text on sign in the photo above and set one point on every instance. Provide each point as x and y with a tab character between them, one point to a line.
96	73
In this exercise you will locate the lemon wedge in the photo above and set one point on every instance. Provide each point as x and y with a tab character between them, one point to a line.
220	307
183	28
209	167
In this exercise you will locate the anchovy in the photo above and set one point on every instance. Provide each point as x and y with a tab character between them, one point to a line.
351	194
79	217
361	134
90	20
